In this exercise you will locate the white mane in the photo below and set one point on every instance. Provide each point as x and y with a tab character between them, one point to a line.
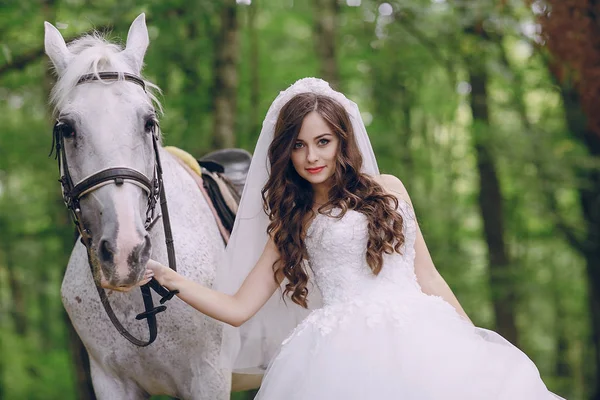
94	54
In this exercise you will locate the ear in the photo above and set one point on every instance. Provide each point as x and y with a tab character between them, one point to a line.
137	43
56	48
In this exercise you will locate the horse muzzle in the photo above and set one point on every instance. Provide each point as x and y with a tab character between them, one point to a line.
122	263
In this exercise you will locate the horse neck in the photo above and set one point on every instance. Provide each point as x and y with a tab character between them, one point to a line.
188	210
175	177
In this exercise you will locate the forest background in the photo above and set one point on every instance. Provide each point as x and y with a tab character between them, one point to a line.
487	110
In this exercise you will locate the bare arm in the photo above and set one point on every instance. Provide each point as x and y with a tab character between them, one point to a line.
257	288
429	278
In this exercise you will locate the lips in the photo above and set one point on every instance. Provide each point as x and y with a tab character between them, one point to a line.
315	170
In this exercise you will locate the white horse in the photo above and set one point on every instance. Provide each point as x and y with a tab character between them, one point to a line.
109	123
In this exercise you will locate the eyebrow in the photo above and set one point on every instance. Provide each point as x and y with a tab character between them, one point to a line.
318	137
69	116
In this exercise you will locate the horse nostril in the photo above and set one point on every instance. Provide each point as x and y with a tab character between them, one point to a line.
106	251
141	252
147	246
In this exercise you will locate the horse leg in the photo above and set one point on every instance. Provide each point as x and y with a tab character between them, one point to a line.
109	386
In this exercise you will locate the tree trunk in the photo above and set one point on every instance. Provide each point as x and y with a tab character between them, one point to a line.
326	13
393	100
46	324
193	83
19	309
491	205
491	202
254	72
562	368
406	135
226	78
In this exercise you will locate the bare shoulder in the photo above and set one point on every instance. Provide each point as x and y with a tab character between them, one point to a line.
393	185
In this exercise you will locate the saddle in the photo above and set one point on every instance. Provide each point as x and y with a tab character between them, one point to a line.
220	175
224	174
233	163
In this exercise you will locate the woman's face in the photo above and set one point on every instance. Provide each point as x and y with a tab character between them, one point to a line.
315	151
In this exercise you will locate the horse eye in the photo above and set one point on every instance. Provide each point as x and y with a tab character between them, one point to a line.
65	129
150	125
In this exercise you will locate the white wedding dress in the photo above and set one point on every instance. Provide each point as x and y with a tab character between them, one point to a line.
381	337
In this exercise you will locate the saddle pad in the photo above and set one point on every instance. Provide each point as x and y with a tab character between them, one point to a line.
186	157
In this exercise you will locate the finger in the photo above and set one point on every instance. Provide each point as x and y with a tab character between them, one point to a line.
144	281
153	264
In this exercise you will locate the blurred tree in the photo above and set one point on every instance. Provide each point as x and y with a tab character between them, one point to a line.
226	77
254	123
325	27
491	197
19	307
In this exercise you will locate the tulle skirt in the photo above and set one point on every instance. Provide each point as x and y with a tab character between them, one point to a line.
413	347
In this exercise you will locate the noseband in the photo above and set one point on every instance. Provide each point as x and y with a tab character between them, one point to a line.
72	194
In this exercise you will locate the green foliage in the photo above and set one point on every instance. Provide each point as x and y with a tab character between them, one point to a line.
31	373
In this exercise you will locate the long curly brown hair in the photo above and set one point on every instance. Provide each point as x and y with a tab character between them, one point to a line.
288	198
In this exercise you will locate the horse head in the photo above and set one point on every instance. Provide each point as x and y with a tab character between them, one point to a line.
106	120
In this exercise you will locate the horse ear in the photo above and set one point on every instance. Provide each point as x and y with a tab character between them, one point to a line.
137	43
56	48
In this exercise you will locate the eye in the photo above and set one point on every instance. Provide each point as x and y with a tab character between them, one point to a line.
323	142
150	124
298	145
64	129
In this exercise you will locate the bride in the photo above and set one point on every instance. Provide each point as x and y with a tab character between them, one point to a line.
344	244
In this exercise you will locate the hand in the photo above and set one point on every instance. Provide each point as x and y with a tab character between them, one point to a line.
158	271
148	274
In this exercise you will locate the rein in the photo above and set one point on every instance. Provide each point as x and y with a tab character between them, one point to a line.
154	188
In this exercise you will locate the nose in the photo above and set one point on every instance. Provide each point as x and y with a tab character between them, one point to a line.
312	155
106	251
140	254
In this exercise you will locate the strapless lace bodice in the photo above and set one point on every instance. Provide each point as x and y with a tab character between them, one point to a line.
337	256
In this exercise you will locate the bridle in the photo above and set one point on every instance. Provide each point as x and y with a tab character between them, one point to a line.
73	192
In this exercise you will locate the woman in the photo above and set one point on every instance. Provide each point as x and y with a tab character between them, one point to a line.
389	326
